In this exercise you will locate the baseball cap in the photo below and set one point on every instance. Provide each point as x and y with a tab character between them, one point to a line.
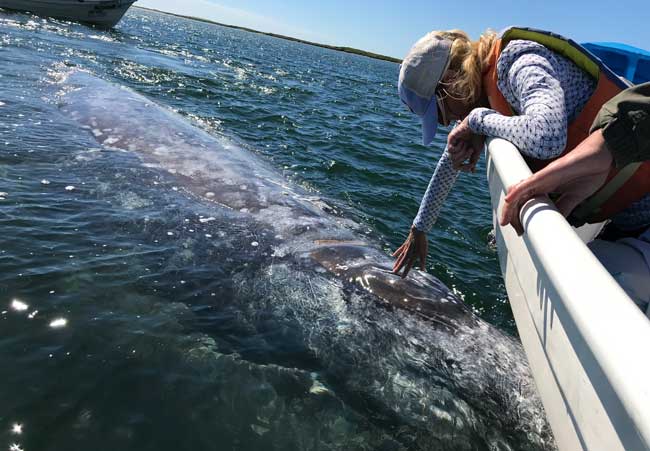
419	74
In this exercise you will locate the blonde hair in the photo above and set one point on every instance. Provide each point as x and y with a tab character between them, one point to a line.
468	59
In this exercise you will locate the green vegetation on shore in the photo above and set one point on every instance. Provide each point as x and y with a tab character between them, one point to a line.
289	38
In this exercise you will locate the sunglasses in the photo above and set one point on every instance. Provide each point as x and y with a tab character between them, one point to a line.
442	115
440	97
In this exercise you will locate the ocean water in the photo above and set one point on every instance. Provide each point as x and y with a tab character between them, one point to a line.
109	289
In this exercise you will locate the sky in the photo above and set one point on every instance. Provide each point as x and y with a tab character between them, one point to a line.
391	27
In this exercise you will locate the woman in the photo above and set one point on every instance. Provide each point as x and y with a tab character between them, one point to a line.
446	78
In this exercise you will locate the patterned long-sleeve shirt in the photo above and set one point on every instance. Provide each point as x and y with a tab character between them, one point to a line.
546	91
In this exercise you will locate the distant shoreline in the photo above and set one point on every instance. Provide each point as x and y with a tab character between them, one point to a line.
288	38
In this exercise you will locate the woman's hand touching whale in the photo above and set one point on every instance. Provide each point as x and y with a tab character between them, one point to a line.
415	247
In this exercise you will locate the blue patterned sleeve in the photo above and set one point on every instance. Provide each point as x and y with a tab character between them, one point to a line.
442	181
545	91
539	129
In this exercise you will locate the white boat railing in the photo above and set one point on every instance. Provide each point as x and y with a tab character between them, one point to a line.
586	341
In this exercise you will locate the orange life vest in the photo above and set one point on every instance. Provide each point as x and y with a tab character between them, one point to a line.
624	186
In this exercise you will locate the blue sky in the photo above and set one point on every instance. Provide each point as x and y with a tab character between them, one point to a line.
391	27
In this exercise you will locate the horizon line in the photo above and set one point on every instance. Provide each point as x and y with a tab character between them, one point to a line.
344	49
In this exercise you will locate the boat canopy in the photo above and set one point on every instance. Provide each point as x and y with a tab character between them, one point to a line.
629	62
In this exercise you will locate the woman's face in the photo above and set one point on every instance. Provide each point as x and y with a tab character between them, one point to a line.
451	106
454	109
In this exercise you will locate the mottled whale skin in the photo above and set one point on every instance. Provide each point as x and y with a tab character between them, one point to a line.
406	351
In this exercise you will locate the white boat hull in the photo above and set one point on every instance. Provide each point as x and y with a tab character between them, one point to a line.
103	13
586	341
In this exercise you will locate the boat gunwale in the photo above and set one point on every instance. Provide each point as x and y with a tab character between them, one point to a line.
602	323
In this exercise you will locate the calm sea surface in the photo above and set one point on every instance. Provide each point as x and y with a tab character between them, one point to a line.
97	274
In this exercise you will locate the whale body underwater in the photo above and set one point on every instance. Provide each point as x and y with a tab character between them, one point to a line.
396	351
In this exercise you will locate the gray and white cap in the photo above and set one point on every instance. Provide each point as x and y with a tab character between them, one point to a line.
419	75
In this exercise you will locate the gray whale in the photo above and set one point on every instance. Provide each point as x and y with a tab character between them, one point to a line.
405	350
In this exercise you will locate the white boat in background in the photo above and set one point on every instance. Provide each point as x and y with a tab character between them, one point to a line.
102	13
586	340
